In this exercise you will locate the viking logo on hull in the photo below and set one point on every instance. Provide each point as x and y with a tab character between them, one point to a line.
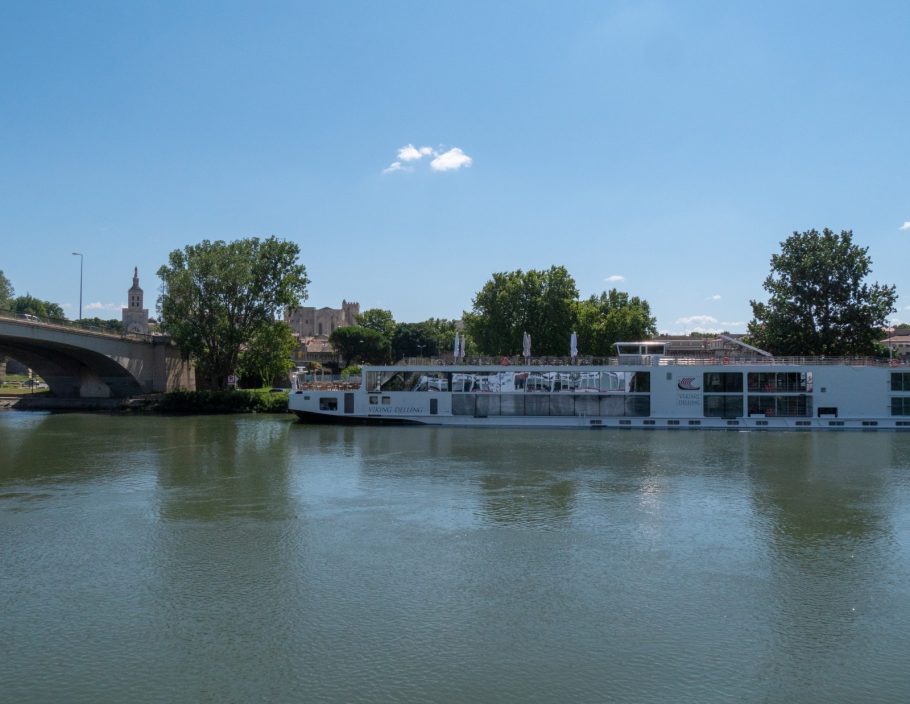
687	383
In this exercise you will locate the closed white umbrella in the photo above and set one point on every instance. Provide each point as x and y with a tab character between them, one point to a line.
526	345
573	346
456	346
464	343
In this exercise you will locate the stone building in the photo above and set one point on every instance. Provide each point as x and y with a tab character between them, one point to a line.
135	317
307	321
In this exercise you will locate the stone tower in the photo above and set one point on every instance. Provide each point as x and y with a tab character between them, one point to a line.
135	317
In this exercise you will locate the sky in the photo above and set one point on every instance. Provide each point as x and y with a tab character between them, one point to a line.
412	149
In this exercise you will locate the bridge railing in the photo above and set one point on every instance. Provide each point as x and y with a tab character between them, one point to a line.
79	325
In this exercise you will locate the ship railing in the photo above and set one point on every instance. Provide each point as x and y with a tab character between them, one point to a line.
782	361
650	360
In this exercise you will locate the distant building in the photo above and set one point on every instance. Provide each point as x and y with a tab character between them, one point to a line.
315	350
899	345
307	321
135	317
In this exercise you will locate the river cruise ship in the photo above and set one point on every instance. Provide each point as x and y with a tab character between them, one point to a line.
644	386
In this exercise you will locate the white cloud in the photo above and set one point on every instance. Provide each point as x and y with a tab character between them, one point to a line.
411	153
709	324
697	320
451	160
715	297
905	226
615	278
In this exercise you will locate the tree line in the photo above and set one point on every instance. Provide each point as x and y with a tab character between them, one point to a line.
220	301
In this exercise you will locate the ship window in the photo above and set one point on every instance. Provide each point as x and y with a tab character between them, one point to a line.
778	382
900	406
784	406
328	404
374	400
900	381
386	400
723	382
723	406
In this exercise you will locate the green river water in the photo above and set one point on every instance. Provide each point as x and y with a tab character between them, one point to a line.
256	559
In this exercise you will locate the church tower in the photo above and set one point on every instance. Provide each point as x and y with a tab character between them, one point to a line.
135	317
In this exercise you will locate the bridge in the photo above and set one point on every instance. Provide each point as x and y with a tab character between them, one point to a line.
81	363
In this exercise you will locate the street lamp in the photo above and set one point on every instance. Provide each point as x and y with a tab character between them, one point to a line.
81	259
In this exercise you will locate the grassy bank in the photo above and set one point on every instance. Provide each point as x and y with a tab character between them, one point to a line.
234	401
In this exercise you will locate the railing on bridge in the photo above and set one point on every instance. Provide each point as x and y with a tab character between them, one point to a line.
79	325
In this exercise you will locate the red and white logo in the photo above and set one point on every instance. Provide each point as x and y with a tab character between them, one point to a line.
687	383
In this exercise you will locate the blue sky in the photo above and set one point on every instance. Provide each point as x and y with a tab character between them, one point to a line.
664	148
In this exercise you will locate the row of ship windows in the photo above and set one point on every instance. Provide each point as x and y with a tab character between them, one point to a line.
549	382
620	405
714	406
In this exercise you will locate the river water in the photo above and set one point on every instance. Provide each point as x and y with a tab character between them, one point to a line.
251	558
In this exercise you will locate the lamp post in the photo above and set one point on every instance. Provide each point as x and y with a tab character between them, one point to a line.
81	259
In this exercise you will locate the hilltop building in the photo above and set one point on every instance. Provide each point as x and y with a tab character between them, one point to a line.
307	321
135	317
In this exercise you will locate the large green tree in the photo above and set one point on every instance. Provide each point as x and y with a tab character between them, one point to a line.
612	317
217	296
819	302
379	320
359	344
30	305
414	340
6	293
266	358
541	303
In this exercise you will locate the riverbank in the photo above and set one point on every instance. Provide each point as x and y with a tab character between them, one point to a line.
175	403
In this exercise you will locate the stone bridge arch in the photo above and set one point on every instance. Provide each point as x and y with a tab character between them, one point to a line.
78	363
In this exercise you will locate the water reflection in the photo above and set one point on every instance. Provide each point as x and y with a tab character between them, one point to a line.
214	468
829	546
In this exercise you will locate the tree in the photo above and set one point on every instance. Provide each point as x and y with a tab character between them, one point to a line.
358	344
612	317
819	303
217	297
541	303
414	340
30	305
379	320
103	324
266	358
6	293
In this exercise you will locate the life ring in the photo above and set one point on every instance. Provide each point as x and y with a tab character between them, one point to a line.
505	361
726	360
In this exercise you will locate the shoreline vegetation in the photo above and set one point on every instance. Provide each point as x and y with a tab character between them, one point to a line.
231	401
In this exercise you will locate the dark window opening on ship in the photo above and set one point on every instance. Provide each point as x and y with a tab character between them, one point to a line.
328	404
723	382
900	406
900	381
556	404
723	406
783	406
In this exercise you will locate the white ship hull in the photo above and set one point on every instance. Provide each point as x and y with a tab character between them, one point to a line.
658	392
